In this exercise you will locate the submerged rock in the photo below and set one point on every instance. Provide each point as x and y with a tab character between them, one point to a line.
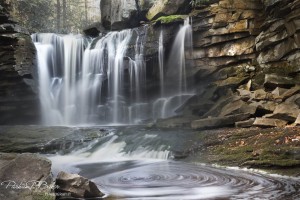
77	186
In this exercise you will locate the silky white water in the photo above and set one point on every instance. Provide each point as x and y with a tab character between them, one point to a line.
104	81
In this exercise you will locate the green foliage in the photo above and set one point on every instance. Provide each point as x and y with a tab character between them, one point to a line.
35	15
60	16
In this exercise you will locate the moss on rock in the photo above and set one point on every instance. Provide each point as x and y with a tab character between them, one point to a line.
276	150
170	19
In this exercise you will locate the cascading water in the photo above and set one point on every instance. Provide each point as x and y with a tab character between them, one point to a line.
102	83
167	105
161	63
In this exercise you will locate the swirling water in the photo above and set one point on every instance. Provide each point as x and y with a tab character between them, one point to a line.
135	163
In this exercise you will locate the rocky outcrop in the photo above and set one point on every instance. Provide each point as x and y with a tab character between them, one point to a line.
76	186
167	7
121	14
18	102
246	61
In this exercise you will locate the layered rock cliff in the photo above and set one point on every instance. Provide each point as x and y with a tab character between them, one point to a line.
19	103
246	55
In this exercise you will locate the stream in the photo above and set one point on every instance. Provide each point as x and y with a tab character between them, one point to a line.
142	163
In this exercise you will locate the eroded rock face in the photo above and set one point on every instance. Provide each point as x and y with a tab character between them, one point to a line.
246	54
19	103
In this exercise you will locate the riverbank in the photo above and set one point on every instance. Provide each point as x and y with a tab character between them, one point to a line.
276	150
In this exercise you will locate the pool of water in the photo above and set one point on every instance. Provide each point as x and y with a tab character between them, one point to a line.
139	163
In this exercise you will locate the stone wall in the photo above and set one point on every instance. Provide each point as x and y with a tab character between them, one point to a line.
18	102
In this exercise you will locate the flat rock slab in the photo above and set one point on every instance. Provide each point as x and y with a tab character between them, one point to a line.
269	122
214	122
42	139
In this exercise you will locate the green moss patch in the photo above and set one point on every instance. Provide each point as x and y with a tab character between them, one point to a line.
171	19
275	150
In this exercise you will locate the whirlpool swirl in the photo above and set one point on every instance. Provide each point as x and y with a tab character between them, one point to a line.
177	180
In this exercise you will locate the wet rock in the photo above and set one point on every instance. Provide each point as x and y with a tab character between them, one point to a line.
245	124
174	122
94	30
77	186
214	122
268	122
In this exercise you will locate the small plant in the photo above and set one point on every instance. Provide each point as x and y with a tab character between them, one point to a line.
171	19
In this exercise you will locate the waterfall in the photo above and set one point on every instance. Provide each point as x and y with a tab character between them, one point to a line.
176	63
175	83
84	84
161	63
104	81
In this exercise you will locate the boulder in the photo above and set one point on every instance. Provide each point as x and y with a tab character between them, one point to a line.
259	94
119	14
269	122
278	92
264	107
25	176
214	122
166	7
286	111
245	124
77	186
244	94
295	99
237	107
290	92
273	80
